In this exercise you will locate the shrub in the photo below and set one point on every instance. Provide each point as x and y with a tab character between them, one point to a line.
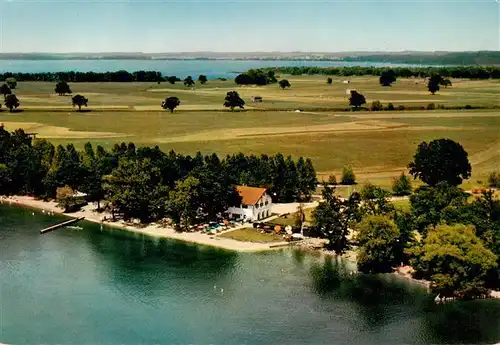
431	106
401	107
377	106
332	180
494	179
329	80
348	176
441	106
390	107
468	106
401	186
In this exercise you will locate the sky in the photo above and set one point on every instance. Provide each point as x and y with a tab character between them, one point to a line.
154	26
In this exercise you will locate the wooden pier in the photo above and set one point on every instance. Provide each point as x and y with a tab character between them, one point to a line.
60	225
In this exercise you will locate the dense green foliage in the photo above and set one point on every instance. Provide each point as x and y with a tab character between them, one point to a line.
202	79
137	182
5	90
284	83
11	102
334	217
189	81
256	76
77	77
348	176
356	99
11	82
387	77
494	179
472	72
170	103
233	100
441	160
62	88
378	241
401	186
455	260
79	101
329	81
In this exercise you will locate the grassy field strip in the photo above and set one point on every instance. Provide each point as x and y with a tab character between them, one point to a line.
45	131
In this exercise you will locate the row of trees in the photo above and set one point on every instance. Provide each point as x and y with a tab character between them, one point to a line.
448	239
471	72
146	183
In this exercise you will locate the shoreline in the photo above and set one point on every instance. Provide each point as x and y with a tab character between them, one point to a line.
152	230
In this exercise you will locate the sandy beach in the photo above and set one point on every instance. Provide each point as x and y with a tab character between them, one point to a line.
150	230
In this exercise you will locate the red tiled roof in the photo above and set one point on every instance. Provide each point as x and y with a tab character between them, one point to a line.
250	195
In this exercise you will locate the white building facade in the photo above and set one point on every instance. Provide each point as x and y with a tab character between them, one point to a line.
255	204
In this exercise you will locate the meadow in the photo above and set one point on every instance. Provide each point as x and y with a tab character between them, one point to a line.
378	145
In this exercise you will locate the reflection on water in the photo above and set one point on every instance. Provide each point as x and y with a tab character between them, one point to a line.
115	287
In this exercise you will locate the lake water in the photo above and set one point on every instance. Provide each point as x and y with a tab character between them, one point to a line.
179	68
90	286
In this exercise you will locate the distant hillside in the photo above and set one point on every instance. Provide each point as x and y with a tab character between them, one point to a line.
408	57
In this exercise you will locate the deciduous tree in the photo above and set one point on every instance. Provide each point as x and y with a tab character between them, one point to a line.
202	79
79	101
387	77
356	100
62	88
284	83
11	102
233	100
189	81
440	160
170	103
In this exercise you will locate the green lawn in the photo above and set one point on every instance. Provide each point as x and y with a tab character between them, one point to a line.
252	235
378	145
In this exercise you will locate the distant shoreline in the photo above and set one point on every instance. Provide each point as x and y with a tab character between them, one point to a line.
152	230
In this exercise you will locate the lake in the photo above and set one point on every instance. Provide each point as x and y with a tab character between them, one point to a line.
179	68
88	286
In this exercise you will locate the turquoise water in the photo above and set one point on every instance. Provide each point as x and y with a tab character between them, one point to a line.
90	286
179	68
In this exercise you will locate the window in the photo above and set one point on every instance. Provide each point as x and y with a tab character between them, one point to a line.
244	206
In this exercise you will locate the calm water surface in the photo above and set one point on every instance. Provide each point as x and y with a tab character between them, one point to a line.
110	287
179	68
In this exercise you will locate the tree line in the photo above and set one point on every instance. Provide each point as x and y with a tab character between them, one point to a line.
447	238
145	182
468	72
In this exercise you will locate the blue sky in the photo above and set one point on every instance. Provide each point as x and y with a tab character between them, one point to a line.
251	25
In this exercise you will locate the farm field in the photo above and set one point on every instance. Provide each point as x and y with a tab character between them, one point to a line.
377	144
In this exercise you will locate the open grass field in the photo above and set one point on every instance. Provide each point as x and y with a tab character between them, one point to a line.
252	235
377	144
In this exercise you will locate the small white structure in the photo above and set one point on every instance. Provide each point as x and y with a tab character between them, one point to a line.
255	204
346	82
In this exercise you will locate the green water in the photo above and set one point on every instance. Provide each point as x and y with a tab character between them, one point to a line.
90	286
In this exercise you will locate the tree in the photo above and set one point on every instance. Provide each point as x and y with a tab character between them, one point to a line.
78	101
189	81
329	81
233	100
387	77
434	82
440	160
135	189
170	103
401	186
11	102
202	79
183	202
378	241
5	90
431	205
375	200
62	88
11	82
390	107
356	100
446	82
172	79
348	176
65	198
307	181
455	260
333	218
332	180
377	106
94	168
284	83
5	179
